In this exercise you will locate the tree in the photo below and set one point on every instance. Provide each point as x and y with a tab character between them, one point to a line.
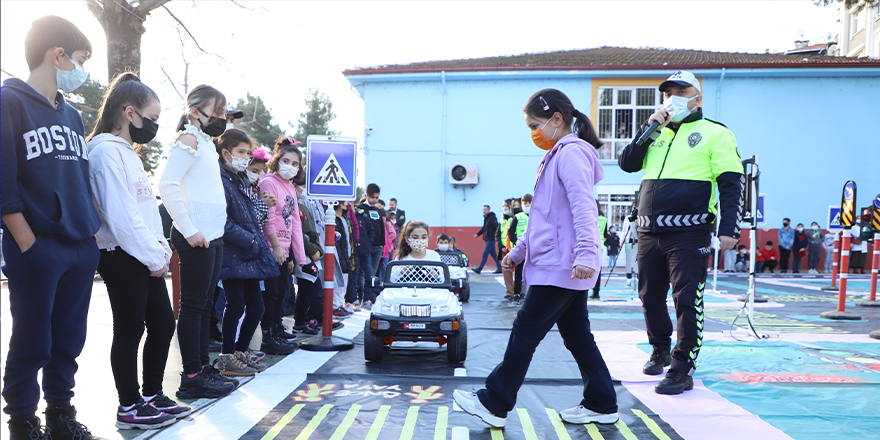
87	99
150	154
317	119
257	121
123	23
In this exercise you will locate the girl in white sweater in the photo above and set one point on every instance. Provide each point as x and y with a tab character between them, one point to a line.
134	253
193	194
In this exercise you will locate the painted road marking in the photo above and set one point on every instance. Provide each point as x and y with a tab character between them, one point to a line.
624	430
652	425
346	422
593	430
377	424
497	433
313	424
561	432
526	421
283	422
442	420
409	425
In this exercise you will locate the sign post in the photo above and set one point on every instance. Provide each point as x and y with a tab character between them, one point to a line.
875	266
331	175
847	219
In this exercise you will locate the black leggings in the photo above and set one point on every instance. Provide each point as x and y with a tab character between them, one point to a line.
242	297
273	297
518	278
199	273
138	301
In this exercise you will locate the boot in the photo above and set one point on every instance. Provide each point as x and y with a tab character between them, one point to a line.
62	425
28	430
281	332
272	345
659	358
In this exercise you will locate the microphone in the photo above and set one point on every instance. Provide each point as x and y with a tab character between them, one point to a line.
644	137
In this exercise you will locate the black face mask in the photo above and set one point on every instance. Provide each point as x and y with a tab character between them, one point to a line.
215	128
145	133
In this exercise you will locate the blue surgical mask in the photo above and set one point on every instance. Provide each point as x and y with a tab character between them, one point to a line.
506	212
70	80
526	209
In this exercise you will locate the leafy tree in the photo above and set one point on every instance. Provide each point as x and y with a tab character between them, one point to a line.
87	99
257	121
359	194
150	154
317	119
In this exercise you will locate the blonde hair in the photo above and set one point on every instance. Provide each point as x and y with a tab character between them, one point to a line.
403	249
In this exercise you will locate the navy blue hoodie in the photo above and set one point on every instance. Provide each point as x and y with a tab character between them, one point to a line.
45	167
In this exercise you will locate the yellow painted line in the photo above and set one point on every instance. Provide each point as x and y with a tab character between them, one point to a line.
377	424
497	433
283	422
526	421
624	430
346	422
313	424
652	425
561	432
442	420
593	430
409	425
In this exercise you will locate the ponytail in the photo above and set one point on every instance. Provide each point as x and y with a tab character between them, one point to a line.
545	103
585	130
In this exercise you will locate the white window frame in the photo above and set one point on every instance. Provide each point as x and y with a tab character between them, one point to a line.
609	153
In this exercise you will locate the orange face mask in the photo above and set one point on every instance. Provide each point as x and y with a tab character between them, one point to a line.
541	141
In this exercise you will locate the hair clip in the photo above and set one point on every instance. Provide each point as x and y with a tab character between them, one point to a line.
290	139
546	106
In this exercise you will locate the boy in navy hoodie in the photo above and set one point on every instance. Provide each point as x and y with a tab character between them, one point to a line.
49	223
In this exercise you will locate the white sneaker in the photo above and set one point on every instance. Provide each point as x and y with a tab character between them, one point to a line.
470	403
581	415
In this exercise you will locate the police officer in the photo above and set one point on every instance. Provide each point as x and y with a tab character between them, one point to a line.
683	161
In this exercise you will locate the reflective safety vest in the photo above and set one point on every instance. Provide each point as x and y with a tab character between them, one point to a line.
603	222
505	240
522	222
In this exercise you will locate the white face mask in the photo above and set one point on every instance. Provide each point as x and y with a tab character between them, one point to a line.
253	177
238	164
526	209
418	245
677	106
443	247
815	228
70	80
287	171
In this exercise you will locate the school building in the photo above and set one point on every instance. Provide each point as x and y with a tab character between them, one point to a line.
811	119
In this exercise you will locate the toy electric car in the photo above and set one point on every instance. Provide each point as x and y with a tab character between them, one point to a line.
458	271
417	303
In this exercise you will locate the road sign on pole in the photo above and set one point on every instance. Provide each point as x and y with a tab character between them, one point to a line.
331	168
834	218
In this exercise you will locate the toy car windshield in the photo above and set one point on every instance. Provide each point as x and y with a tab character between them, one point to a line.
414	273
452	259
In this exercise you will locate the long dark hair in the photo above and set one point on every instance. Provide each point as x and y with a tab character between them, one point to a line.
125	90
403	249
230	139
283	146
549	101
197	98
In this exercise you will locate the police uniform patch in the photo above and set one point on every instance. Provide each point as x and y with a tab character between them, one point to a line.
694	139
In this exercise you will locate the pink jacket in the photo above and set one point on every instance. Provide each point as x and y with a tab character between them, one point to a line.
563	227
390	237
283	218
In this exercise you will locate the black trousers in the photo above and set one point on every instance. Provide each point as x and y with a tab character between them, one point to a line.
243	297
598	285
309	301
517	278
679	258
273	297
784	255
138	302
199	273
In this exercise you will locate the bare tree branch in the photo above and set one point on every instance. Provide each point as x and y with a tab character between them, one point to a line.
190	34
83	107
1	70
146	6
240	5
171	81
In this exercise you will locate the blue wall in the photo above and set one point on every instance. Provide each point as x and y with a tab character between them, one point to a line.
811	134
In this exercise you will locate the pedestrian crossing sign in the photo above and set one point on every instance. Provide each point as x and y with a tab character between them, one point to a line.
834	218
331	168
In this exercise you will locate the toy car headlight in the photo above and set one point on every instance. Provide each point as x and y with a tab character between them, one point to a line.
389	307
440	308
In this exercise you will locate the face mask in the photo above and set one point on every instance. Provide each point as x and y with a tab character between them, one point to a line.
287	171
418	245
743	251
506	212
238	164
677	106
70	80
443	247
785	224
215	128
814	227
526	209
253	177
541	141
144	134
800	229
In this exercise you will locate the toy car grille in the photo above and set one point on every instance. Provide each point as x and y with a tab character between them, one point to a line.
420	311
450	259
417	274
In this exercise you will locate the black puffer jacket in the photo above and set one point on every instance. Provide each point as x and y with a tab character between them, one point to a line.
490	227
246	253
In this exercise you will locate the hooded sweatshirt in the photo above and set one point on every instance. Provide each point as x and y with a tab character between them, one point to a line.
45	164
284	217
563	225
126	203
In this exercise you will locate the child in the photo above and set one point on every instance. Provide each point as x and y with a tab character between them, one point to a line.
343	257
816	237
828	245
246	258
458	251
49	222
443	244
767	258
193	194
742	259
134	252
284	232
390	238
370	265
504	245
801	242
413	245
517	230
255	170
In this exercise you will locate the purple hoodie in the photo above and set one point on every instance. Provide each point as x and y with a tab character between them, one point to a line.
563	227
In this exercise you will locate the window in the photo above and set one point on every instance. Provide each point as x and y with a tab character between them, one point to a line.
620	112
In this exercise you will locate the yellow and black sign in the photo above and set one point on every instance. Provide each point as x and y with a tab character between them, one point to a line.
875	217
848	205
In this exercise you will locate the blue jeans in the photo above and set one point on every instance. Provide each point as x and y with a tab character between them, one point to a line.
369	265
612	260
487	251
383	263
543	307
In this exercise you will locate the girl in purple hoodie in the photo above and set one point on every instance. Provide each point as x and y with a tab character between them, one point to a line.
561	250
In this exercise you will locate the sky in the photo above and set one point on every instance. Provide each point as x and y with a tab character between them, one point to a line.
278	50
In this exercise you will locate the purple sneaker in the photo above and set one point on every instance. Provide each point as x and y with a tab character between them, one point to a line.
142	416
256	355
166	405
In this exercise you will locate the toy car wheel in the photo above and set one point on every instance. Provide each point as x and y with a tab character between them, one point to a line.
456	345
465	293
373	345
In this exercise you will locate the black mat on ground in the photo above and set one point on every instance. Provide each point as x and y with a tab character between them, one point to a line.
391	407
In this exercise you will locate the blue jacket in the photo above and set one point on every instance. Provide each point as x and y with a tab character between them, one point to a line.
367	234
786	238
246	253
45	164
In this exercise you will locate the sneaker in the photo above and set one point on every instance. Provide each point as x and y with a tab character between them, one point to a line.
659	358
318	325
581	415
349	308
215	375
282	333
470	403
629	282
202	386
340	312
367	305
61	424
593	297
357	306
477	270
166	405
230	365
142	416
675	382
497	271
508	297
28	430
246	359
256	355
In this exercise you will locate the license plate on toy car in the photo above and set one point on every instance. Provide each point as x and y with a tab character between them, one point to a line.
414	326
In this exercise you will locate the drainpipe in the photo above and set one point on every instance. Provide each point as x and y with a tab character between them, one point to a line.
718	96
443	171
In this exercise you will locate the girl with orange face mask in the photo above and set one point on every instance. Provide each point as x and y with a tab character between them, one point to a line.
556	112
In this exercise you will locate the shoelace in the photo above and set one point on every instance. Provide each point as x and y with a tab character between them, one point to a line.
40	433
78	430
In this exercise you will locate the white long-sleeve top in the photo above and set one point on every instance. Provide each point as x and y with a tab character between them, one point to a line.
125	200
191	188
